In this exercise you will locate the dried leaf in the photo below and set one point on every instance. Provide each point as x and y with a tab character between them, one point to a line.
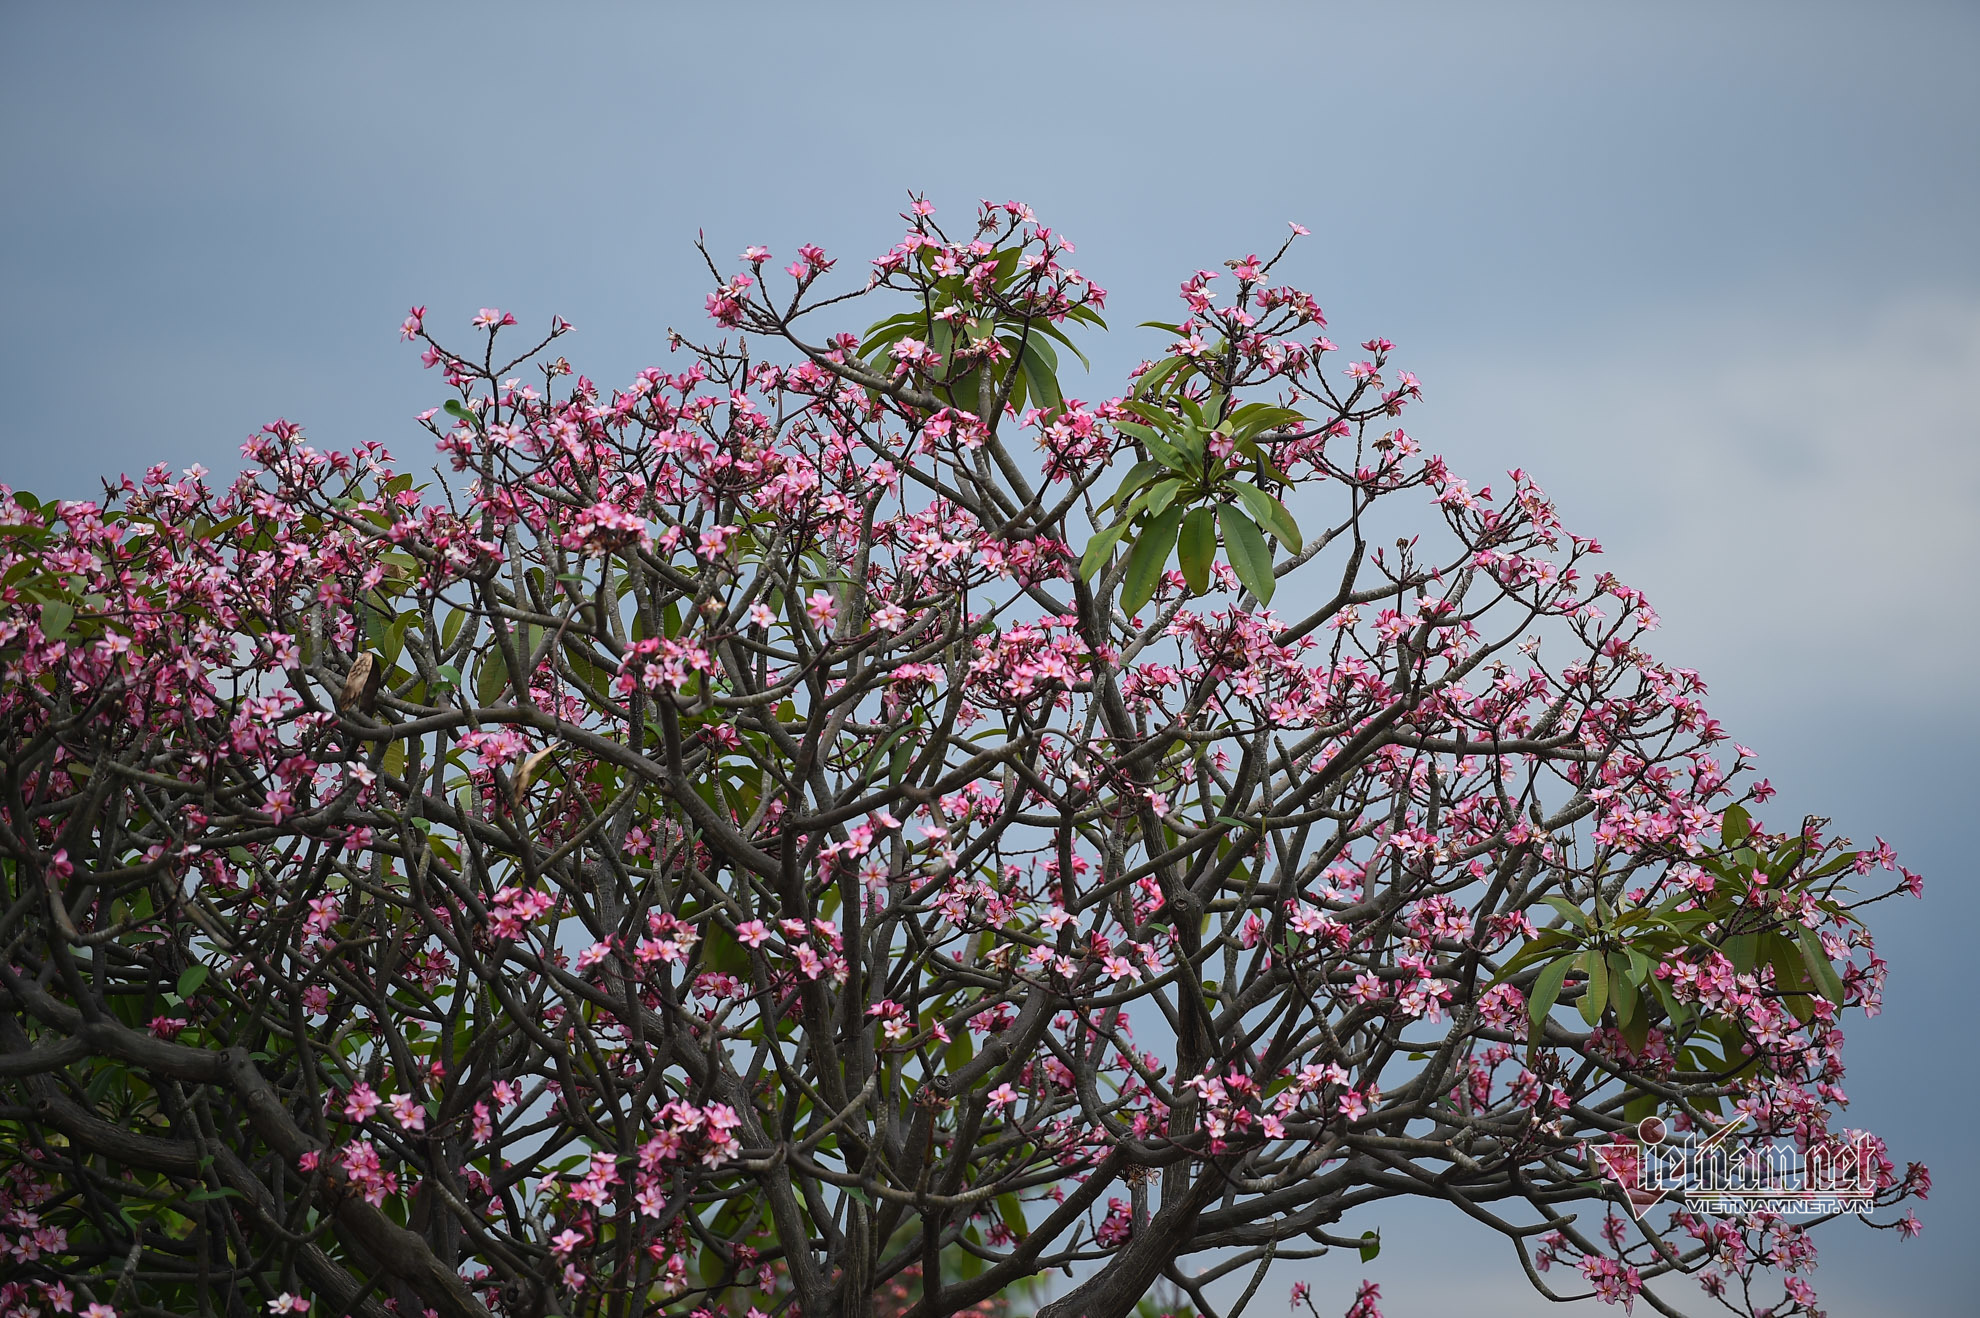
526	773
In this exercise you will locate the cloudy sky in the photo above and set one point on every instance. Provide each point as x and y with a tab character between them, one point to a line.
1708	271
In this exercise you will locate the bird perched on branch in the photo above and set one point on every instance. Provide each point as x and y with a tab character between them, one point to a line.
361	685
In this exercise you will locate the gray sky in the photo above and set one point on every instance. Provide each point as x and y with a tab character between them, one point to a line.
1708	271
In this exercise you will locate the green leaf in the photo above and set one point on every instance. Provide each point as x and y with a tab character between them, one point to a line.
1165	451
960	1051
1572	913
191	978
1269	513
1194	441
1162	494
1546	992
1100	548
1011	1212
1530	951
1256	418
1149	558
1019	382
1041	374
1371	1245
1160	371
1841	862
1637	1032
1783	861
1783	953
1137	475
884	333
1819	966
492	679
722	951
455	409
1623	988
55	619
1595	997
207	1196
389	638
1196	547
1057	335
1249	557
1737	826
970	1265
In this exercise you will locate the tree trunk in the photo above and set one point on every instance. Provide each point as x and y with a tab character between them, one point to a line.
1118	1287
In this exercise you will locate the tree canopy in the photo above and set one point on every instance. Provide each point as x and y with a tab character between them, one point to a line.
837	825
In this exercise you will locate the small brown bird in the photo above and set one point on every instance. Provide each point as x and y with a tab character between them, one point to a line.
361	686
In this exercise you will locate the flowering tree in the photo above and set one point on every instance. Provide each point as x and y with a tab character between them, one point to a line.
838	826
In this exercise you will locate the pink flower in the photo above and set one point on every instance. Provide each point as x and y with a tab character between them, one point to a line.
821	608
409	1115
490	318
1364	1302
715	541
1003	1096
1118	968
361	1103
287	1303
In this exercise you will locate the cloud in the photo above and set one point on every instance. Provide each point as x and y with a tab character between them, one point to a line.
1799	497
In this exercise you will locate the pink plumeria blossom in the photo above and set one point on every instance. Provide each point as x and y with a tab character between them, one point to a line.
821	608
